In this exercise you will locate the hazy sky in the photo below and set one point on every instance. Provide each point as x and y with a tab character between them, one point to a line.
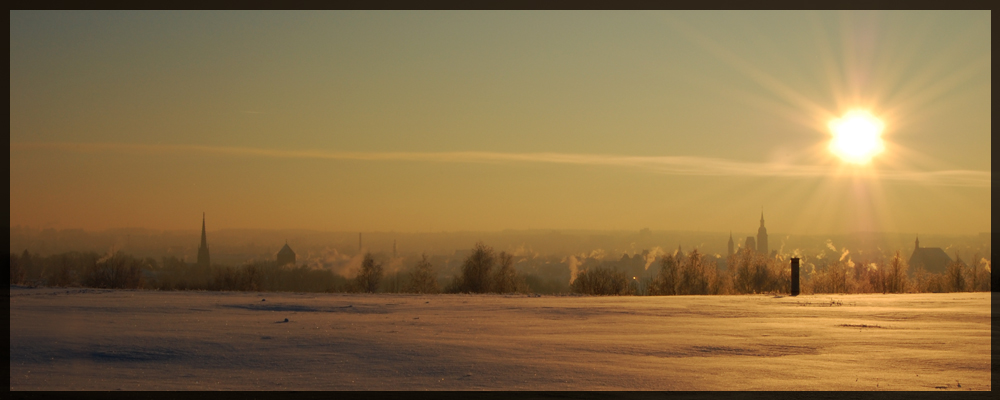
431	121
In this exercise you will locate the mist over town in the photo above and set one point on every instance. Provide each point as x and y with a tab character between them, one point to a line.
500	200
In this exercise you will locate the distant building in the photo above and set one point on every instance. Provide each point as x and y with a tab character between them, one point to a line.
732	249
931	259
286	256
758	244
762	236
203	260
750	244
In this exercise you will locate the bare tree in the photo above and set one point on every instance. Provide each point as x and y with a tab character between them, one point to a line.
897	274
506	279
978	274
423	279
751	272
120	271
602	282
370	275
665	282
955	275
694	277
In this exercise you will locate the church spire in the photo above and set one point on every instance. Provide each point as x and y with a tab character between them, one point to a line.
762	235
203	259
204	239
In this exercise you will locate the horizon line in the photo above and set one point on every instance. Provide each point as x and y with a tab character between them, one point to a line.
543	230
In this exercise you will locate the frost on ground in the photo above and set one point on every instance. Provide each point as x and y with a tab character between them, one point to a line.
119	339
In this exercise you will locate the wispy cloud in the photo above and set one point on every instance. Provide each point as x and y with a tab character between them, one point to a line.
673	165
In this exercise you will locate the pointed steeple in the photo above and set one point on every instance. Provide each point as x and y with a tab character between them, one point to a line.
762	235
204	238
203	259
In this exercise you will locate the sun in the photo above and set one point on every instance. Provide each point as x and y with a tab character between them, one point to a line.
857	137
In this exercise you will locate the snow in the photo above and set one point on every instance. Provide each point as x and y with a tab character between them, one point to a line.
94	339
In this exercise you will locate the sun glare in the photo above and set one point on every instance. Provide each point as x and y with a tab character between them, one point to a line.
857	137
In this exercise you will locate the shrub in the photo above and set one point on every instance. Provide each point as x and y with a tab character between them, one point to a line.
602	282
16	272
67	269
755	273
120	271
226	278
694	274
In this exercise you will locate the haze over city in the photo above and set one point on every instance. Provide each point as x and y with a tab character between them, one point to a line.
500	200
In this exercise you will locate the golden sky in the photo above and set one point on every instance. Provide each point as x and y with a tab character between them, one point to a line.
444	121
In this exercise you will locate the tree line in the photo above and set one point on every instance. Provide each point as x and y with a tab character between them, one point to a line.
485	270
750	272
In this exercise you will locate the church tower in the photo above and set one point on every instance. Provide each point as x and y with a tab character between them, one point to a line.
286	256
203	260
762	236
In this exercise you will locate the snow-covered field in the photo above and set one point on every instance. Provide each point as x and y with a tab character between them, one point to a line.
120	339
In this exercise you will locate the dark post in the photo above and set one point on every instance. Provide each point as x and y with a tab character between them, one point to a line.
795	276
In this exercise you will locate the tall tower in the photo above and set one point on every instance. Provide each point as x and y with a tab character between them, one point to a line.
762	235
731	245
203	260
